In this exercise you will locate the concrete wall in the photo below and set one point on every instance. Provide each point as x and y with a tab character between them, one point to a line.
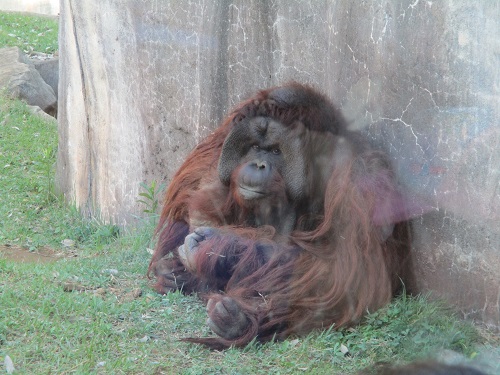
142	82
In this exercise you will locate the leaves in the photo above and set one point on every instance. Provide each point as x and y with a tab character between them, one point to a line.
150	195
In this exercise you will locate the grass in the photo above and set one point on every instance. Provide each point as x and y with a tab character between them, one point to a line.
88	308
30	33
31	213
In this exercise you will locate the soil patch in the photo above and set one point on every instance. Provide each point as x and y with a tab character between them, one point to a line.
23	255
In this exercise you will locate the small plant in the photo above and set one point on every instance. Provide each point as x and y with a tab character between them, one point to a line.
150	196
93	232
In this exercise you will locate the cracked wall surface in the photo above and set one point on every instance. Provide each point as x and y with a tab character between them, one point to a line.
141	82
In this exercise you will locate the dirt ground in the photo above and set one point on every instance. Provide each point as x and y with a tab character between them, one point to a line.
24	255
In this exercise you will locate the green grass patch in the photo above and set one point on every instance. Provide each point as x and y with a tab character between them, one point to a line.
105	326
30	33
32	214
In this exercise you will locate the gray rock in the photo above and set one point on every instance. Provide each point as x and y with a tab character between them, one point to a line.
21	80
49	70
36	110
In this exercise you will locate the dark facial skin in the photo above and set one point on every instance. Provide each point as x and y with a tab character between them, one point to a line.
263	160
256	157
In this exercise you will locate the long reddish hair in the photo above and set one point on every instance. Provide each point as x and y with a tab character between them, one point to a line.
333	268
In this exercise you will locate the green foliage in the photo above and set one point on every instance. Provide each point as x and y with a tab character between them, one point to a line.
150	195
30	33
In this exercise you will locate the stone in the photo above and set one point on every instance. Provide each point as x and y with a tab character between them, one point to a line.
21	80
49	70
36	110
143	82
